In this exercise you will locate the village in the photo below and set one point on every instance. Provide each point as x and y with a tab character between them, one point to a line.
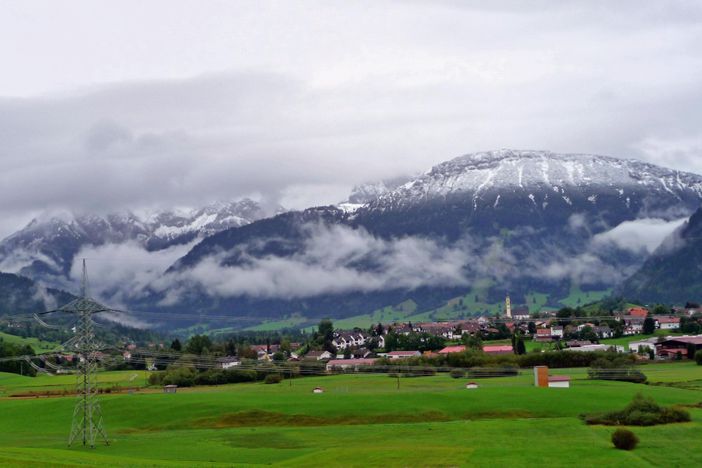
635	330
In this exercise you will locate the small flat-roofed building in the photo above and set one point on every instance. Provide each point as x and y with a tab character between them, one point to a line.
558	381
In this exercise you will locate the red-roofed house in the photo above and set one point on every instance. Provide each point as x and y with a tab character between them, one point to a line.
498	349
452	349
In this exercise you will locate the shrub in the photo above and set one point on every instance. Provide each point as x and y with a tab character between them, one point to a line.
698	358
642	411
615	369
624	439
457	373
273	379
478	372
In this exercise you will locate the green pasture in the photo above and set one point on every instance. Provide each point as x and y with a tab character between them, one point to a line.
360	420
38	345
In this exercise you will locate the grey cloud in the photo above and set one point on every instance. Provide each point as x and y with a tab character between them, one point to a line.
309	106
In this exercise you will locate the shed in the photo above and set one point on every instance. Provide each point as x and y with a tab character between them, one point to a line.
170	388
559	381
318	390
471	385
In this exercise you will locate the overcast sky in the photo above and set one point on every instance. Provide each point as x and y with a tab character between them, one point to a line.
132	104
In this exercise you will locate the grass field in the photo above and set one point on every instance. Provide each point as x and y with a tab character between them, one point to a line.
360	420
36	344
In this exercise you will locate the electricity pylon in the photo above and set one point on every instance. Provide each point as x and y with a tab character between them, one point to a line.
87	415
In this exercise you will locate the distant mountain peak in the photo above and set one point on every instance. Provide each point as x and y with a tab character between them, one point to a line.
49	242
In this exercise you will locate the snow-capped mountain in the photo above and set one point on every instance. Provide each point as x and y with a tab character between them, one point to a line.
522	221
543	178
47	246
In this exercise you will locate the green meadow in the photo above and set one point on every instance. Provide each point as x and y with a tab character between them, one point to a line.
360	420
36	344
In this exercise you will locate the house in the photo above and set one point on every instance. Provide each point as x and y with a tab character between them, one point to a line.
679	345
603	331
498	349
452	349
318	355
345	364
633	325
557	332
403	354
558	381
667	322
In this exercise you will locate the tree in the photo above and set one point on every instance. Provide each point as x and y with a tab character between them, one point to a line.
649	326
531	328
660	309
230	348
176	346
198	344
472	341
521	347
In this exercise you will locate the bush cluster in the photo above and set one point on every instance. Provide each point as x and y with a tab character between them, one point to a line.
642	411
187	377
619	369
273	379
624	439
457	373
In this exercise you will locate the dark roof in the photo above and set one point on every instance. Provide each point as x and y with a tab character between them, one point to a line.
696	340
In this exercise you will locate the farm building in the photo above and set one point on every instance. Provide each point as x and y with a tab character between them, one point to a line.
679	345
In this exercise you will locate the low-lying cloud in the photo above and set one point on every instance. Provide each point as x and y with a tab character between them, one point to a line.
639	236
333	260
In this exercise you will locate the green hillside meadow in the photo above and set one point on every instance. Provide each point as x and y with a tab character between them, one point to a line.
360	420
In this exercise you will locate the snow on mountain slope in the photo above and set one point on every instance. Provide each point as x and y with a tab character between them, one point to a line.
47	246
543	177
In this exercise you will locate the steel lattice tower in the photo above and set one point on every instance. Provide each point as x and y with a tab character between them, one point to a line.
87	422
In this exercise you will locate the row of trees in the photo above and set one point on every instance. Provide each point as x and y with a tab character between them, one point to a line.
14	350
